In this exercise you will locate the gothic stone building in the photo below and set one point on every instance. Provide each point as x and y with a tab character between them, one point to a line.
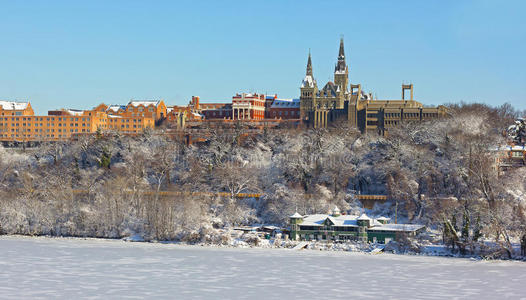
341	100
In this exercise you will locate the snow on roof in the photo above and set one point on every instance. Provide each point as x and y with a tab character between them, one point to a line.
75	112
363	217
308	81
398	227
11	105
296	216
144	102
283	103
318	219
509	148
351	221
115	107
383	219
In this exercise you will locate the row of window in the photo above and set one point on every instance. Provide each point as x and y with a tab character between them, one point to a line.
286	113
140	109
391	122
127	126
333	228
33	136
124	120
411	115
45	118
392	115
47	130
16	113
430	115
42	124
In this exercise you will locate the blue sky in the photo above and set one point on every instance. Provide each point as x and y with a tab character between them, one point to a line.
80	53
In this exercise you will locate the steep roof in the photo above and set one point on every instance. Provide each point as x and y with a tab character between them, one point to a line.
341	67
296	216
364	217
329	90
308	81
115	107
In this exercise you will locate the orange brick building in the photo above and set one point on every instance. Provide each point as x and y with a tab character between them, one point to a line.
155	109
19	124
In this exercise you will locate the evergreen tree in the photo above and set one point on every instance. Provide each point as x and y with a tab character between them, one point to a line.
477	234
454	222
465	226
105	158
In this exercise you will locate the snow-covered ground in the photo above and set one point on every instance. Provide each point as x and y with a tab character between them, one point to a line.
69	268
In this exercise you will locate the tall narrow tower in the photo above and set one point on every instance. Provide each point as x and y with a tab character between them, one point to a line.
308	92
341	71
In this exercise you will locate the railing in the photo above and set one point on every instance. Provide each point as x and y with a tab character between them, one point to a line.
180	193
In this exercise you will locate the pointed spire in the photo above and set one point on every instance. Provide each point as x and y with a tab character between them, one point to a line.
341	65
341	54
309	66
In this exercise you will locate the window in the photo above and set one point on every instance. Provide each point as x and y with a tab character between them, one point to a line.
517	154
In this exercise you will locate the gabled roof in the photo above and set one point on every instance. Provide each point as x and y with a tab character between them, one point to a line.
351	221
308	81
331	220
329	90
296	216
364	217
136	103
115	108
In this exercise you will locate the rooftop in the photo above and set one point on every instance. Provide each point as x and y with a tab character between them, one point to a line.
136	103
351	221
11	105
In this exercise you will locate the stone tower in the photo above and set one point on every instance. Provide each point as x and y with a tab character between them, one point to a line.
308	92
341	71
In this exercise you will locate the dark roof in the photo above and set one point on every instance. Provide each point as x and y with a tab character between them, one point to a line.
329	90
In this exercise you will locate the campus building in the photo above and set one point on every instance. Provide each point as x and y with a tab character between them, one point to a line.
151	109
340	100
251	107
338	227
18	123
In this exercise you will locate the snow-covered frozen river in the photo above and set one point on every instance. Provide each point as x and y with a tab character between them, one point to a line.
71	268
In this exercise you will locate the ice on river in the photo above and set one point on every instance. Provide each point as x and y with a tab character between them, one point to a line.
70	268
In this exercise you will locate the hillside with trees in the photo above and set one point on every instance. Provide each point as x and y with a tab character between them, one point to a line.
440	173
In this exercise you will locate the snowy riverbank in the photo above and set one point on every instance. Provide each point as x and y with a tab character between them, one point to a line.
51	268
237	239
